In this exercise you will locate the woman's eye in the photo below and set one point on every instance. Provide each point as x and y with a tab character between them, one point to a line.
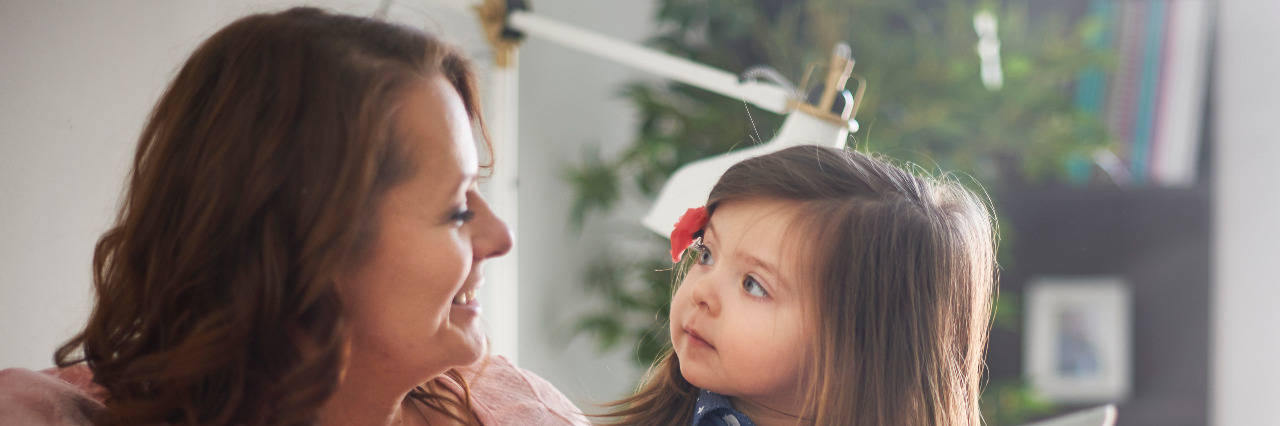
753	287
704	255
463	216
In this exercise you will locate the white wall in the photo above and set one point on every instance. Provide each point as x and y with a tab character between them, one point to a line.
569	101
77	79
1245	373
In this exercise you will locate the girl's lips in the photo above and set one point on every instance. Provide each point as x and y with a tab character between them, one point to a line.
697	340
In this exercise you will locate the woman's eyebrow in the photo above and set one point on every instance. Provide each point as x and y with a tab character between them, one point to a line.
465	180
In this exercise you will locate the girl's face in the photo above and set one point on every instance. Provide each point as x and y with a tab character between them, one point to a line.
738	320
410	301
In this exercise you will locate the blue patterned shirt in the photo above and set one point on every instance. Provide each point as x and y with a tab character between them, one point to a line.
713	409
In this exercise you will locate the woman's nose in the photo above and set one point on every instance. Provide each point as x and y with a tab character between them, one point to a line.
493	237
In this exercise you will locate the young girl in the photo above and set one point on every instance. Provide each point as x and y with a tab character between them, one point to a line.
827	287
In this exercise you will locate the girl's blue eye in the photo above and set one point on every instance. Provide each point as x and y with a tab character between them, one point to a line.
704	255
753	287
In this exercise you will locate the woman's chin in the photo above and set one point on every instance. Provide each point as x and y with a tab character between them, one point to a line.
478	347
474	343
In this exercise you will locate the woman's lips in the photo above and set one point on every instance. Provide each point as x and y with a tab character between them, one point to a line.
465	304
468	296
697	340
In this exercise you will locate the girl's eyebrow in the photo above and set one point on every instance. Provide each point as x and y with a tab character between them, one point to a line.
779	281
760	263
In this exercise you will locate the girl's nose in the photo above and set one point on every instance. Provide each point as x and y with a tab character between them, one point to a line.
492	238
703	292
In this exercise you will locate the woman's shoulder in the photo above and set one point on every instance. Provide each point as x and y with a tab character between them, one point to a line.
57	396
503	393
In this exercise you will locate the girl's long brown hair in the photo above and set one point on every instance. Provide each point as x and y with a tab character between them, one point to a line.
904	273
258	173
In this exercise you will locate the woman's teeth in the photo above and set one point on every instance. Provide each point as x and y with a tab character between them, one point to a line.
464	297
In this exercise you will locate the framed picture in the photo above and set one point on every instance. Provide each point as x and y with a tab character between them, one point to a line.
1077	342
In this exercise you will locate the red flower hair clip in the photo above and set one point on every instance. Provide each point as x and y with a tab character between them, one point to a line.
689	227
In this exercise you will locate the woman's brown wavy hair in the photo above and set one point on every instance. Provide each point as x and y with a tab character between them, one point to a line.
904	273
257	175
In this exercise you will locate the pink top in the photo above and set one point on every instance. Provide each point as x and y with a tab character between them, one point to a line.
501	394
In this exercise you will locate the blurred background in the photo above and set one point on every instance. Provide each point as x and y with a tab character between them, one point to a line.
1125	145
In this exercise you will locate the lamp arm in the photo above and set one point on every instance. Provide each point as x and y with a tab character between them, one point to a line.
767	96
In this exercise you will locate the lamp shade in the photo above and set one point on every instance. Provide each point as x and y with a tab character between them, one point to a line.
689	186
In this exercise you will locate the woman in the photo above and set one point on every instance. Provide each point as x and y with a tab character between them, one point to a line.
300	243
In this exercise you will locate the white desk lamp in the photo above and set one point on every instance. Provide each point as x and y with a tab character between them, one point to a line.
806	122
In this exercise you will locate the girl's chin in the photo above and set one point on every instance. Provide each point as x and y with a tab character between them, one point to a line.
692	376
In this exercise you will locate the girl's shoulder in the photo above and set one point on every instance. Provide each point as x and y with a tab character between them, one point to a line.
503	393
56	396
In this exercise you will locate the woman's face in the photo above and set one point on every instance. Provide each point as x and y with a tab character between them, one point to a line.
411	301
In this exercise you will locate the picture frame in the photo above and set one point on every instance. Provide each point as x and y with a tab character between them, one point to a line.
1078	344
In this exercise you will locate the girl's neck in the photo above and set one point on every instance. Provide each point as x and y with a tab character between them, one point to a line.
763	414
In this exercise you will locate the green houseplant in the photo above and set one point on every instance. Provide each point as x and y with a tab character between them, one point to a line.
925	104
